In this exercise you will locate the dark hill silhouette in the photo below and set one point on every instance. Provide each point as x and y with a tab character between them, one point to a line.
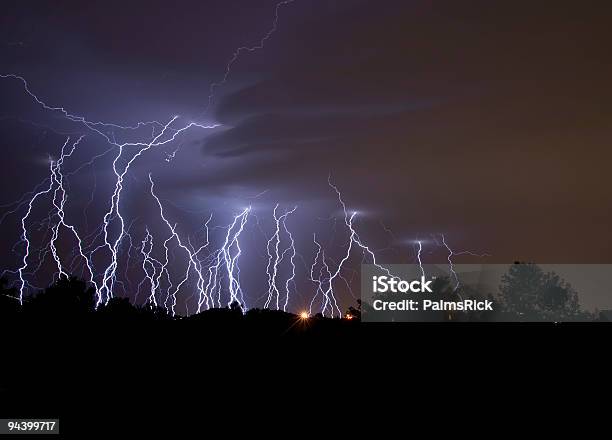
62	353
527	294
60	347
70	300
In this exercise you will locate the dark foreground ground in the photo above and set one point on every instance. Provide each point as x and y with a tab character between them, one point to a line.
101	371
181	379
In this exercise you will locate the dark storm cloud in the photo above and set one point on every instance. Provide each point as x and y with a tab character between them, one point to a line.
488	120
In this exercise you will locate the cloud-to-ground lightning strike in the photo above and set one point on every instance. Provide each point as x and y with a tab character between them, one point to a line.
323	282
228	253
105	290
59	201
327	277
275	258
449	258
223	257
208	274
148	262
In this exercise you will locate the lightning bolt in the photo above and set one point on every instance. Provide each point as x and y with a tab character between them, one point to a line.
419	250
275	258
243	49
148	262
56	181
214	271
161	134
327	277
224	258
451	254
193	261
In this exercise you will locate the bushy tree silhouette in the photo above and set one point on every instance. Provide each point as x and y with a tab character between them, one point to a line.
9	301
155	313
120	309
66	298
528	293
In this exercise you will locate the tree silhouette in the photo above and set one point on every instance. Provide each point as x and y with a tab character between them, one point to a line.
529	293
9	302
66	298
119	309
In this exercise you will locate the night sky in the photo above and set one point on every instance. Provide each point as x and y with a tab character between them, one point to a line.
486	121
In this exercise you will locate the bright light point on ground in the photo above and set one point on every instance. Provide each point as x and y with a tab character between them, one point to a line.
304	315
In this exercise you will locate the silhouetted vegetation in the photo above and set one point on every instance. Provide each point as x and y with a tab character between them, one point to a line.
58	343
70	299
61	341
530	294
9	305
526	294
